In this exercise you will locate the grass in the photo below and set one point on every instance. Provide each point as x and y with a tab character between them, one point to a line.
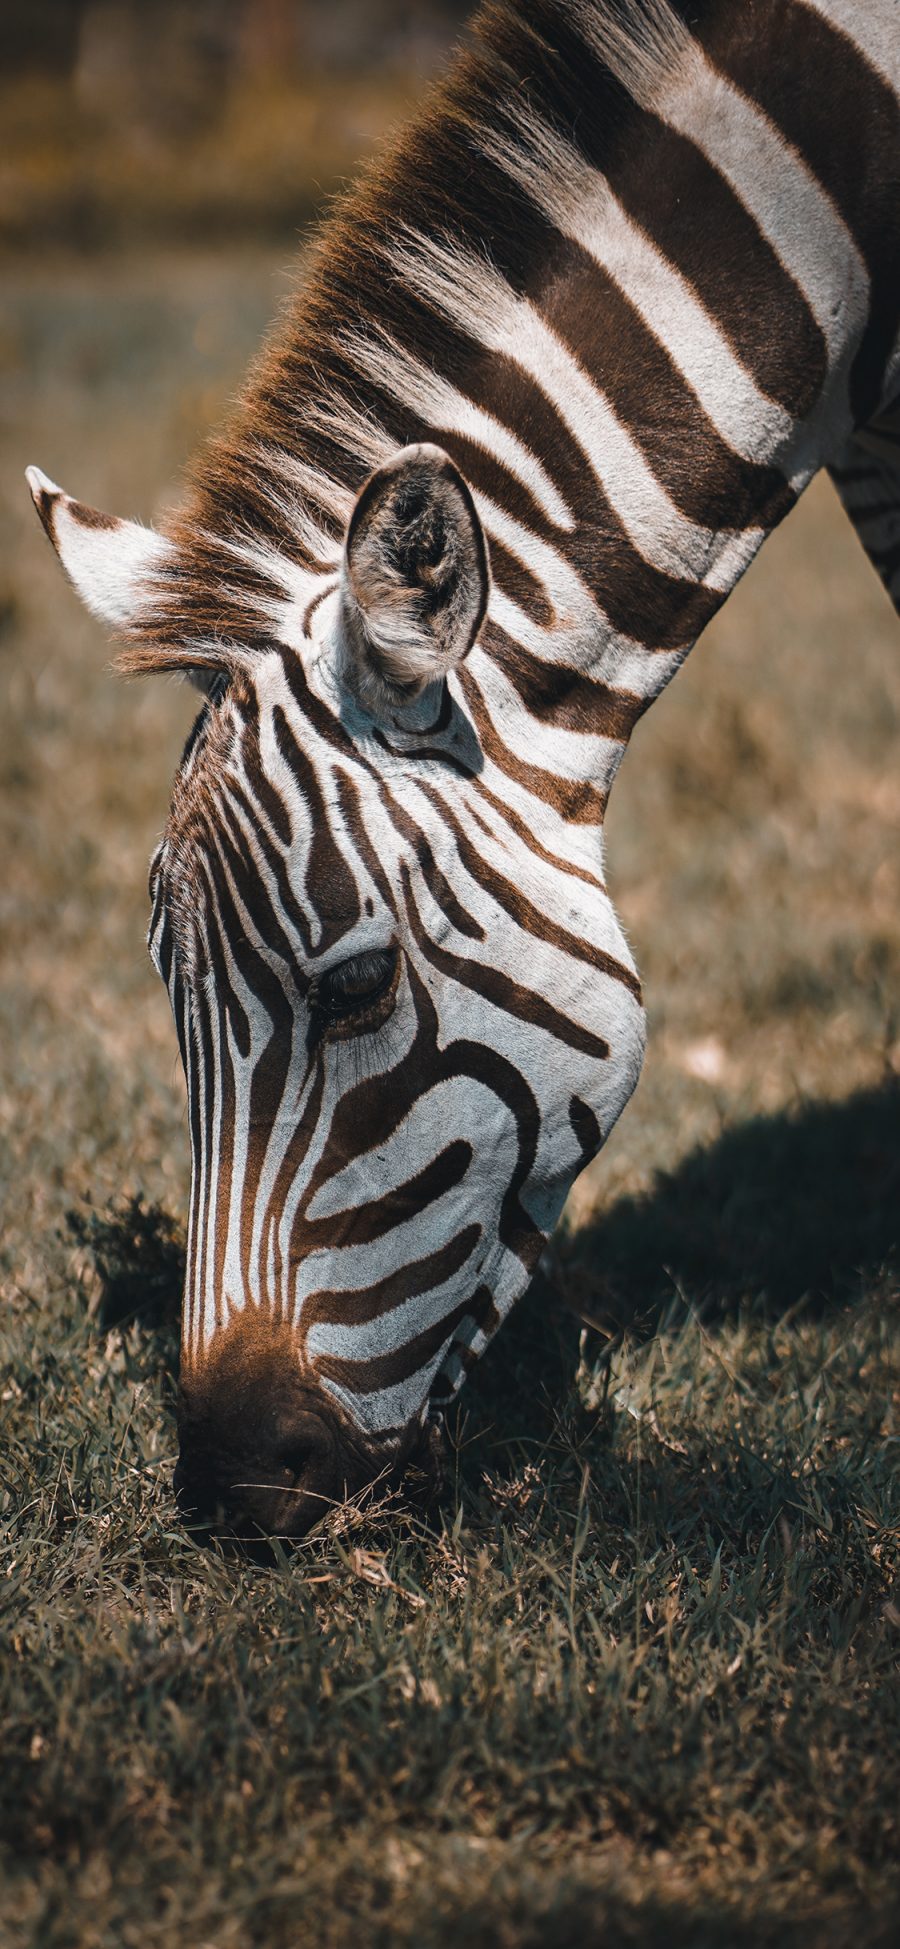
637	1675
633	1680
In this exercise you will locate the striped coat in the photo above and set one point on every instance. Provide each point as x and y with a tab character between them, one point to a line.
564	358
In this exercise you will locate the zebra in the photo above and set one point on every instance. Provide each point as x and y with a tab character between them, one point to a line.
568	351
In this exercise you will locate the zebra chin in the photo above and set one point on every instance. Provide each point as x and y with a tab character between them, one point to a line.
263	1450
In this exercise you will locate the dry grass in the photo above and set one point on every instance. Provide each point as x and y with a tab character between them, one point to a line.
636	1681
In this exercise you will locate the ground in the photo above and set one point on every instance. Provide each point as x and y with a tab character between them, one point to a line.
634	1681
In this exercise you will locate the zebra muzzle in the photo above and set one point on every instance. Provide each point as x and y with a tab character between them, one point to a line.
260	1455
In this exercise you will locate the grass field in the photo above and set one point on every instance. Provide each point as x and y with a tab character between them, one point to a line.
635	1681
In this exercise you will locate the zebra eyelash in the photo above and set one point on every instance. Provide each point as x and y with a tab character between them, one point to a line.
335	1015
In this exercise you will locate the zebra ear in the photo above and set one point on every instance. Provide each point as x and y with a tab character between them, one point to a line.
106	559
415	577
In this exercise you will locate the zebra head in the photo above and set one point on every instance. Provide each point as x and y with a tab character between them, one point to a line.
406	1011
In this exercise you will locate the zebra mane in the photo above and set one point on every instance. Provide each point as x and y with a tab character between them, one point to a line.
358	365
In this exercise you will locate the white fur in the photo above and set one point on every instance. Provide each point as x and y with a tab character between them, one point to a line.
463	285
579	200
109	566
420	388
873	26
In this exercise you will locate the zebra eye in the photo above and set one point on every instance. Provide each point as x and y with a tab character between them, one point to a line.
353	986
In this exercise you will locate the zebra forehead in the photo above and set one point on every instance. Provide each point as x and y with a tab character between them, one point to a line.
266	802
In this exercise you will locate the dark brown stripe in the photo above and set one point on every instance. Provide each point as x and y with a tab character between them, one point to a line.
517	581
360	1306
518	826
743	283
577	801
560	695
330	885
88	517
706	479
355	825
265	794
45	502
501	990
363	1224
814	83
437	883
436	754
294	1159
389	1369
586	1130
523	911
250	884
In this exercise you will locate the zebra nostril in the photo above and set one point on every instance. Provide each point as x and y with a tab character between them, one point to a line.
303	1469
295	1461
267	1456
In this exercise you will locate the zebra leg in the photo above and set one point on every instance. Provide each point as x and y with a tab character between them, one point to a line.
867	478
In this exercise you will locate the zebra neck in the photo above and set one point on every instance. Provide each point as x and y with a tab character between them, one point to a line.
686	327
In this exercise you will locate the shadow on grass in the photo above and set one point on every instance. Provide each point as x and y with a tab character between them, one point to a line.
797	1209
594	1916
799	1206
138	1254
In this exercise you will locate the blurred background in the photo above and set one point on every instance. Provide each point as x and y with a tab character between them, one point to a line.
157	119
161	162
